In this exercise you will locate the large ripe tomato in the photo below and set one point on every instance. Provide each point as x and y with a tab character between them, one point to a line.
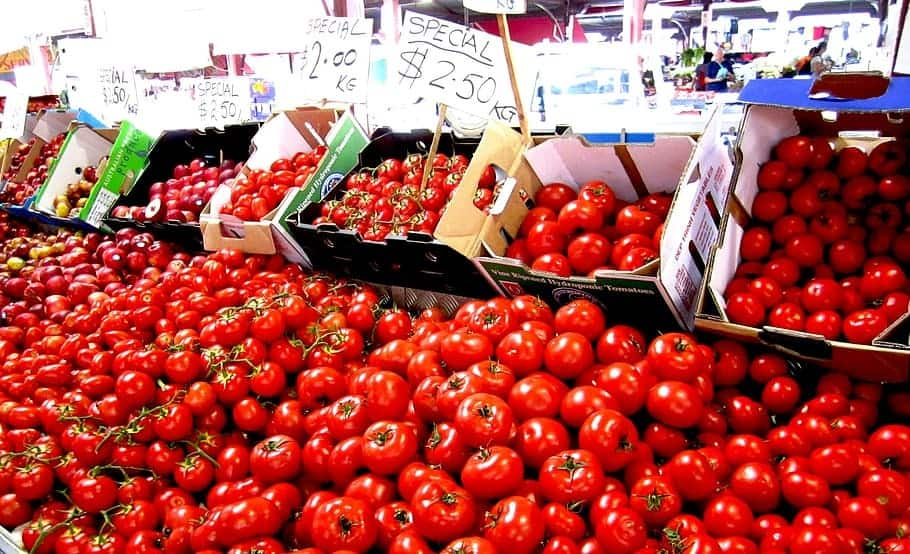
275	459
633	219
493	472
514	524
344	524
675	356
887	158
612	437
554	196
621	530
388	447
888	487
655	499
580	316
795	151
393	519
462	348
546	238
568	355
866	515
443	511
521	351
483	419
493	322
600	194
727	515
386	396
692	475
470	545
539	438
579	216
675	403
572	476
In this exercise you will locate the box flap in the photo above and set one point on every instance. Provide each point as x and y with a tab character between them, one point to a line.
693	222
288	133
804	94
657	164
463	226
51	123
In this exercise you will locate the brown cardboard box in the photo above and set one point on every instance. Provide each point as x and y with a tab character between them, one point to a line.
778	109
659	295
282	136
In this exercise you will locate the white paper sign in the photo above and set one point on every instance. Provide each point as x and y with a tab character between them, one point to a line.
460	67
222	101
12	123
497	6
117	86
335	61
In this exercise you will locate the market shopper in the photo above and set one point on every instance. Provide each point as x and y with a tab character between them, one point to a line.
717	73
804	64
820	62
701	71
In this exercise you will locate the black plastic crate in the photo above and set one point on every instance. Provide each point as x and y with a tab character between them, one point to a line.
413	261
176	147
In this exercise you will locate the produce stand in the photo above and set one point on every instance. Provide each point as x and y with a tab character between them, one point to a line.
239	317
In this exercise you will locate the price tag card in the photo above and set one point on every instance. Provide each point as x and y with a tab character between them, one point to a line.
335	62
222	101
118	93
461	67
497	6
12	122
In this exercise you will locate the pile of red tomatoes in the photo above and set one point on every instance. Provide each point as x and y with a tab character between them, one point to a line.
829	245
157	402
395	198
579	233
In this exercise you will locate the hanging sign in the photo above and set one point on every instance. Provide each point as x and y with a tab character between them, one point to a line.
12	122
222	101
497	6
335	61
117	85
458	66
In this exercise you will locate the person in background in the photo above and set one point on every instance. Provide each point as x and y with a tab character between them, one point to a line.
804	64
821	63
701	71
728	65
717	73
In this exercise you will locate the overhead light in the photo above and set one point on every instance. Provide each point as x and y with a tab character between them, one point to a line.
424	1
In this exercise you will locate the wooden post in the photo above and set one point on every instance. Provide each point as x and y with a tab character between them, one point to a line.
516	91
434	146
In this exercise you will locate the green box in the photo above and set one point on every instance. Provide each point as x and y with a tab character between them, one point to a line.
125	162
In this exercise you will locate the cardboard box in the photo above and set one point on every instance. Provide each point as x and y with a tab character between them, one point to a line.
42	127
282	136
416	261
660	295
83	147
858	109
180	147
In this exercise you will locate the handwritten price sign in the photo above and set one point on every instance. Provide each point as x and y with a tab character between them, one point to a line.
12	122
497	6
222	101
335	61
118	93
459	66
